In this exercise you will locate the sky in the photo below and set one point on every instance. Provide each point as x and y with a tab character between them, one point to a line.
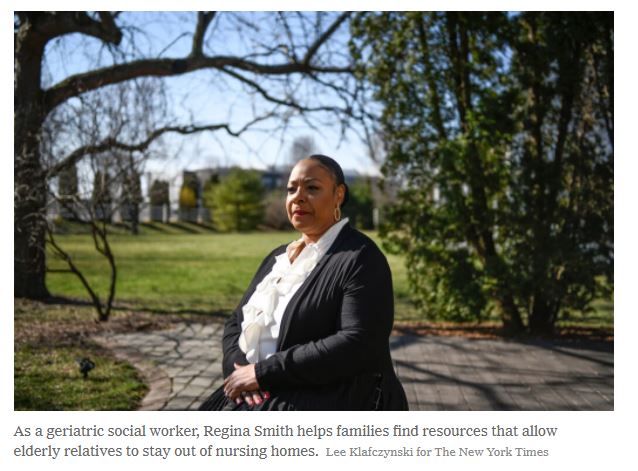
209	97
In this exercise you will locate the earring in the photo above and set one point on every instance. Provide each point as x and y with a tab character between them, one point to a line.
337	213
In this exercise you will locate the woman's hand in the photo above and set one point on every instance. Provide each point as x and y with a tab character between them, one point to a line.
242	385
253	398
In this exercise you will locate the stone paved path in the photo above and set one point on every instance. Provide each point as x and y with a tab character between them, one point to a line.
183	366
456	373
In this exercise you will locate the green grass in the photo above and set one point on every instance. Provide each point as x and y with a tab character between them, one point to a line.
49	338
194	272
600	315
187	268
206	272
49	379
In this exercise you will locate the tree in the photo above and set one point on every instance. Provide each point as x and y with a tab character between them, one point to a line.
159	199
500	129
99	233
68	188
236	201
132	195
188	194
187	197
68	181
101	199
96	211
293	52
127	110
360	205
275	214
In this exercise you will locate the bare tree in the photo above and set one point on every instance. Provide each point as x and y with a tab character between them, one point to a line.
278	62
98	226
108	181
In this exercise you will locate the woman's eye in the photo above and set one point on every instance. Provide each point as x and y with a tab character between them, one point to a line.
291	190
313	188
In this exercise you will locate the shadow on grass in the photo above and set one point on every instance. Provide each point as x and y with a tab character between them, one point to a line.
64	301
183	227
206	227
191	227
124	227
153	227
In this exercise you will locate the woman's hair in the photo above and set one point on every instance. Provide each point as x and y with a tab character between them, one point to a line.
335	169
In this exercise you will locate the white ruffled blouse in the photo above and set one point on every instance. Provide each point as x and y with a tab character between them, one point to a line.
265	308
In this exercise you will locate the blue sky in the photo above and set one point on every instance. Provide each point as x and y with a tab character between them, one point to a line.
209	97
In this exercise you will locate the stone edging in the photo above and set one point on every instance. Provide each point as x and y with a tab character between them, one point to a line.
159	384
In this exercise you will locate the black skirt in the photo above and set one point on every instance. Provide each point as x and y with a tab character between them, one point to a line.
362	392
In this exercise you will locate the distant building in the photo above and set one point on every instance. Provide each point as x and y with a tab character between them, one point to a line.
273	179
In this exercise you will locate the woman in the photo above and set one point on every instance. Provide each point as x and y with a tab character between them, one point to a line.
312	330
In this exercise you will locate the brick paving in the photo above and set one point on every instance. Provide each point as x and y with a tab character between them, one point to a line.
183	366
456	373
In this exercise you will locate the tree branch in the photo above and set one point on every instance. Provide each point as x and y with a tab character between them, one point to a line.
63	255
84	82
435	101
54	24
280	101
203	20
99	235
312	50
112	143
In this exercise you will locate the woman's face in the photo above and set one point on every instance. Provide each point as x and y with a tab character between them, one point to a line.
312	198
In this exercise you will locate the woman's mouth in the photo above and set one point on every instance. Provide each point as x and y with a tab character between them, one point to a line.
300	213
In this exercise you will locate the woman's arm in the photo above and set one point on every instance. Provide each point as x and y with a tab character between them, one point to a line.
367	314
232	353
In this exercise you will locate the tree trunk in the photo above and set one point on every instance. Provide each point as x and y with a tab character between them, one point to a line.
135	218
539	323
543	315
29	218
509	314
482	225
29	180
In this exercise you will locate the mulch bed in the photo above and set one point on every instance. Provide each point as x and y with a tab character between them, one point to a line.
495	331
80	323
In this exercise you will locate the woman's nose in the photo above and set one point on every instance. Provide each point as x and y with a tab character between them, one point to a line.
298	195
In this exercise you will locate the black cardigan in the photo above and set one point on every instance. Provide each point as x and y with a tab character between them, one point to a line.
333	349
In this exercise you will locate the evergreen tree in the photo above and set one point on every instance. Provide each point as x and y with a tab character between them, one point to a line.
360	205
160	201
68	191
237	201
500	129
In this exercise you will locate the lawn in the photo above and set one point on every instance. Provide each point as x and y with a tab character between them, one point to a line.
178	271
186	268
183	272
49	339
49	379
171	272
